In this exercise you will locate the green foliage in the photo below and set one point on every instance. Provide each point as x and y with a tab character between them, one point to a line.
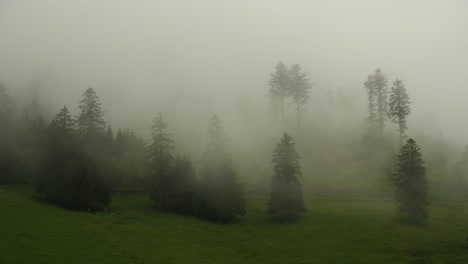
90	122
376	88
411	185
279	88
299	89
129	152
289	83
161	162
69	177
399	107
182	187
221	195
286	200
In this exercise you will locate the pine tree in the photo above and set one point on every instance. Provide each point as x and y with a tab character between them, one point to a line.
461	174
63	121
376	88
69	177
183	189
222	196
5	107
279	89
90	121
161	161
299	88
399	107
411	186
286	201
7	159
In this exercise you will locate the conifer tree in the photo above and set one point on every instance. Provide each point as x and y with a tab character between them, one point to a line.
69	177
376	88
161	161
299	88
222	196
411	185
90	122
399	107
286	201
279	89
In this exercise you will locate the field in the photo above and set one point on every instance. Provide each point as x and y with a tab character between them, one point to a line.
333	231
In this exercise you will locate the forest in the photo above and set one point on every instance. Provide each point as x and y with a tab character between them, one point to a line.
228	133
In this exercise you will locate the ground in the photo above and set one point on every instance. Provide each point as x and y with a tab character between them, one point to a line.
333	231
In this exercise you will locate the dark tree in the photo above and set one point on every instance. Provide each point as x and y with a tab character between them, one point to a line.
411	186
129	152
90	121
182	191
299	88
7	159
376	88
461	174
5	107
161	161
399	107
286	201
279	89
69	177
222	196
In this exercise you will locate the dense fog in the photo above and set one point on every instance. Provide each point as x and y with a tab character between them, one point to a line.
190	60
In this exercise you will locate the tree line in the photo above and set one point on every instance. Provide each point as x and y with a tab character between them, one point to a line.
81	161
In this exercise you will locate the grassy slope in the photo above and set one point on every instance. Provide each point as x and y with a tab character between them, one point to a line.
334	231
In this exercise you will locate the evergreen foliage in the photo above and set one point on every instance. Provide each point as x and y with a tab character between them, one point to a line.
161	162
286	201
411	185
299	89
376	88
70	177
222	196
279	89
90	122
399	107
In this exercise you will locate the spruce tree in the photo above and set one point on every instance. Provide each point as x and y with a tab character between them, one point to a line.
222	196
376	88
161	161
411	185
279	89
299	88
399	107
90	122
69	177
7	159
286	201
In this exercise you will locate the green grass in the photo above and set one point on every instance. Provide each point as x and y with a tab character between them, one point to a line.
333	231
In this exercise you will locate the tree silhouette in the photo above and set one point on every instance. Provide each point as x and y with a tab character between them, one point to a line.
286	201
411	186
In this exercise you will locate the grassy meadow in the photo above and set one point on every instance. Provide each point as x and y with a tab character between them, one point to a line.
333	231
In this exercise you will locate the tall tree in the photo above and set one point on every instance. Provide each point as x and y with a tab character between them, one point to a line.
299	88
399	107
411	185
69	177
5	107
7	167
376	88
222	196
279	89
161	161
286	199
461	174
90	121
63	121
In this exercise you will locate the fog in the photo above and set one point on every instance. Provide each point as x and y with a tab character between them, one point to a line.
192	59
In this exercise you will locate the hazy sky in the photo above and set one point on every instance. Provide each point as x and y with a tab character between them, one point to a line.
138	54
